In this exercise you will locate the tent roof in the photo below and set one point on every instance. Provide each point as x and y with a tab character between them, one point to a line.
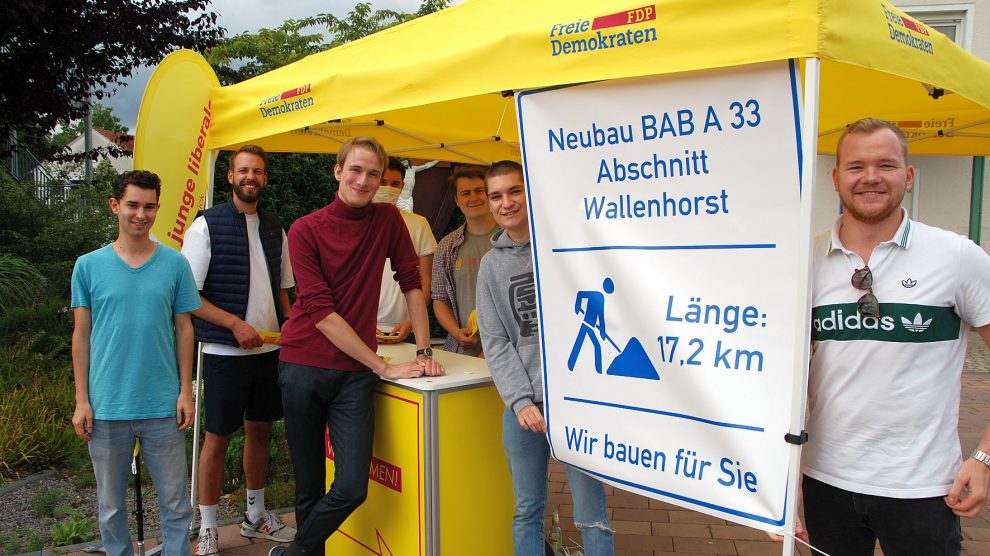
434	87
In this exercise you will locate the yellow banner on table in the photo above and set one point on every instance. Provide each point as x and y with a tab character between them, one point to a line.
393	518
172	131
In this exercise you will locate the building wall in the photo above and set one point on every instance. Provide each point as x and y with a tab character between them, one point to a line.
76	171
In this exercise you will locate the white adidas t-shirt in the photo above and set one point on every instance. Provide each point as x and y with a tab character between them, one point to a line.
883	394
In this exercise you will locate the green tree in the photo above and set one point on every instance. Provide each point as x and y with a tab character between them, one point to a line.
299	183
359	22
257	53
249	54
58	54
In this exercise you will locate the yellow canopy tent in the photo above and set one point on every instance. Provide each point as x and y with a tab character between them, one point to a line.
437	87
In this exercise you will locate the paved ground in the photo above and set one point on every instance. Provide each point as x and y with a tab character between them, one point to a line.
646	527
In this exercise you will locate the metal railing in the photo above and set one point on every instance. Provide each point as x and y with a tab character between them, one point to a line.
25	167
55	192
22	164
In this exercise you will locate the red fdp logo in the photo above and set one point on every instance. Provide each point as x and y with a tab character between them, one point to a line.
297	91
628	17
293	92
914	26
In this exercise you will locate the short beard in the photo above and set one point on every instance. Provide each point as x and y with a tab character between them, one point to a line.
239	192
872	218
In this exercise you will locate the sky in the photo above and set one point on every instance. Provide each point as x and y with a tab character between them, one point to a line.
238	16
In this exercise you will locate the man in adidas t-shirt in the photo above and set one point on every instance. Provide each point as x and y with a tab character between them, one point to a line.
893	304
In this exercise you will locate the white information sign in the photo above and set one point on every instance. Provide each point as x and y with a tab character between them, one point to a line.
665	229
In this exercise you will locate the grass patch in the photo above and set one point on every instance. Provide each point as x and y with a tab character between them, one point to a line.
45	503
20	541
281	494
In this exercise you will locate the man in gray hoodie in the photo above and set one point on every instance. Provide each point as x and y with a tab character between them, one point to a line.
510	333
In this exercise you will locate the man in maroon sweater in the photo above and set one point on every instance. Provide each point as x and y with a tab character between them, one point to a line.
328	345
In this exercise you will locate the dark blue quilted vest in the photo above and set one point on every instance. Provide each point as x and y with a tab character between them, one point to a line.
227	281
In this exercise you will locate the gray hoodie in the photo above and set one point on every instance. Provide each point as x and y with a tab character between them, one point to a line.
507	312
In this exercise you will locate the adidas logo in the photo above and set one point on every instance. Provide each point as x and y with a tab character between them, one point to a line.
917	325
909	283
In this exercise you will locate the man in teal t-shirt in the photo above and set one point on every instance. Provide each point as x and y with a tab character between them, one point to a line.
132	349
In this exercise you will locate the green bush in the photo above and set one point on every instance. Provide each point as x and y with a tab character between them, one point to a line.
45	327
281	494
39	244
20	363
279	462
37	431
20	282
52	237
233	467
73	531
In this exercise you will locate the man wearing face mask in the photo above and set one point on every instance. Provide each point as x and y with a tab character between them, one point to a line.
240	261
394	324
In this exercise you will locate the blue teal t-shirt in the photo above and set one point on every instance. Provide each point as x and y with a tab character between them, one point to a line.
133	372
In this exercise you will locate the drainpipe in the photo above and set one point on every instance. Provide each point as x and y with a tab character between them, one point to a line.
976	200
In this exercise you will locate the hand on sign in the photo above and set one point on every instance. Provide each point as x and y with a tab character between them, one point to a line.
531	419
799	532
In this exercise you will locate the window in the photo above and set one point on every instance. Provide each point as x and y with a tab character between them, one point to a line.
953	20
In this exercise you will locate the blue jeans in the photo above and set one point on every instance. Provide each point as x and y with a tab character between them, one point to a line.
528	454
314	400
849	523
163	451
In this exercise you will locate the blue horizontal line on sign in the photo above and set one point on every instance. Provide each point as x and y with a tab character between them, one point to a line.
666	413
666	247
683	498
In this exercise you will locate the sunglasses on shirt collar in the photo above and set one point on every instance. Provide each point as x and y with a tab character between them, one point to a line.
868	305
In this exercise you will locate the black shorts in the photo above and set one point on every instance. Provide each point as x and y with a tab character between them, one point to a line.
240	388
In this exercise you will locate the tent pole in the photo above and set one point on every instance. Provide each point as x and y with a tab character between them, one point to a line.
799	383
198	392
976	199
211	169
194	474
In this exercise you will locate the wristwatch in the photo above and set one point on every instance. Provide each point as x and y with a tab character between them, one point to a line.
981	457
428	352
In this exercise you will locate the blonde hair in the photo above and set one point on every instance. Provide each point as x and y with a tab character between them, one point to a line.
870	125
369	143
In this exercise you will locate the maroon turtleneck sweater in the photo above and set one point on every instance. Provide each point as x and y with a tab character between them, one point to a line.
338	254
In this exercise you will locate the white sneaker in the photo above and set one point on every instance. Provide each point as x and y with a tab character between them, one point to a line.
271	528
208	542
